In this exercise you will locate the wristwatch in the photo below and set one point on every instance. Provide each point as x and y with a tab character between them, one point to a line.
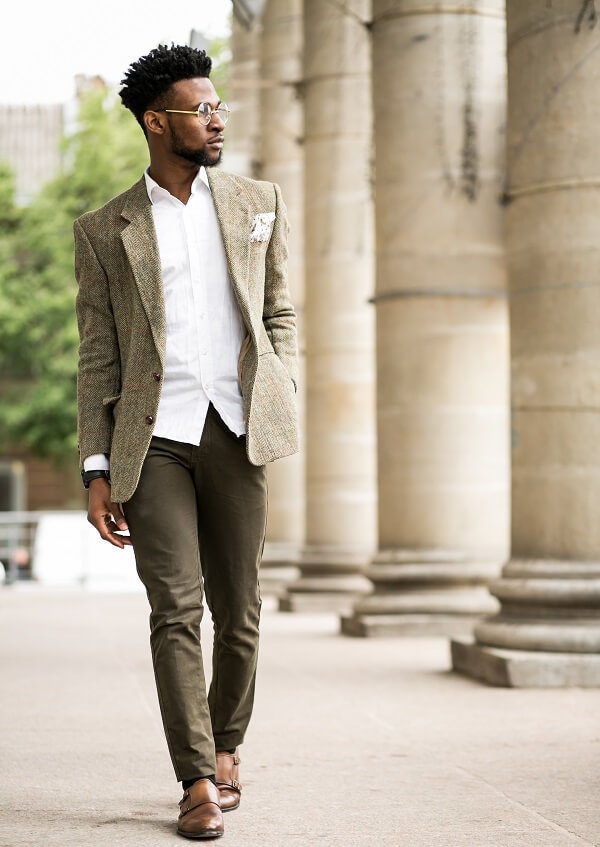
88	476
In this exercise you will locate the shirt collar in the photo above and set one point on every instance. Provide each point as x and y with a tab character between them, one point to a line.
156	192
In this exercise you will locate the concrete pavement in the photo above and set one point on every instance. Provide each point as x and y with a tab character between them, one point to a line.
353	743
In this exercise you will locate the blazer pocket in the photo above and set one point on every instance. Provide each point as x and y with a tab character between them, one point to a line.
278	369
260	246
110	401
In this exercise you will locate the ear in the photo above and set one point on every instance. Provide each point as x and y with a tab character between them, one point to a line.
155	122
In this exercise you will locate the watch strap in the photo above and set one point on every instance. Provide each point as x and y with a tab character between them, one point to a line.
88	476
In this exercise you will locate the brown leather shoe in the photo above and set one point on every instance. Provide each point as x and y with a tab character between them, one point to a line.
200	811
227	780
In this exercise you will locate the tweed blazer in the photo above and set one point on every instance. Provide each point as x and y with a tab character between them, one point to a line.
122	326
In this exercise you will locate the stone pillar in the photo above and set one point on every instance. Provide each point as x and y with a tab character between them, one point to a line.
242	148
442	335
548	630
281	161
340	473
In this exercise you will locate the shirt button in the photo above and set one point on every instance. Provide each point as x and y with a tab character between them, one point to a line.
149	419
156	377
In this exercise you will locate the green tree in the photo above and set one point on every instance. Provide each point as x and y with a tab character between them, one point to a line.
38	332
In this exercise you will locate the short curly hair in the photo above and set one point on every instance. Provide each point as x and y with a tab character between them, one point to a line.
152	75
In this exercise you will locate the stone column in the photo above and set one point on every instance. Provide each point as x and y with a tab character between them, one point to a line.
548	630
242	148
340	473
281	161
442	351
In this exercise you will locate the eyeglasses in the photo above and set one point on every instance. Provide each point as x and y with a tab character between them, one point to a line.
204	112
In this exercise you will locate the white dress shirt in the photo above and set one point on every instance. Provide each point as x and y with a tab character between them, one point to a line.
205	330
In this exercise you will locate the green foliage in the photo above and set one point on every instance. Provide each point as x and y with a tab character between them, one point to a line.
106	154
8	213
38	331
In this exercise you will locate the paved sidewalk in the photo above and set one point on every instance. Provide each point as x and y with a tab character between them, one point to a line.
353	742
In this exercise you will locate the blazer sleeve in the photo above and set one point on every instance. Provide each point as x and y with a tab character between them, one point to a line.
279	317
99	370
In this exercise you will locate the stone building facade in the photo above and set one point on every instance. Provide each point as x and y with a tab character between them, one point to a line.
443	258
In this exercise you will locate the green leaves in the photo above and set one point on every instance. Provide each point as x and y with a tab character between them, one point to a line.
38	330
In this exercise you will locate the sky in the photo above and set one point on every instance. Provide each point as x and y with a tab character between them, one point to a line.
44	44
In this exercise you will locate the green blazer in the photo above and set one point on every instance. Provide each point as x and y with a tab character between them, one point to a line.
122	327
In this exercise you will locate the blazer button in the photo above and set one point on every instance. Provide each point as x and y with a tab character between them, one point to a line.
156	377
149	419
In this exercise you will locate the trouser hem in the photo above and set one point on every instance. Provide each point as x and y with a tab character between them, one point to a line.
196	775
227	742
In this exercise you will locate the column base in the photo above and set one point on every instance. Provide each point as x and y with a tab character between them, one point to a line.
278	568
524	669
330	580
386	626
422	592
322	602
547	634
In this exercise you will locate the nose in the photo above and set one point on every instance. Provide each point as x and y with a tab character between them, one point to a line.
217	122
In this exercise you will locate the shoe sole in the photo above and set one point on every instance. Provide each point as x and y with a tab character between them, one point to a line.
231	808
209	833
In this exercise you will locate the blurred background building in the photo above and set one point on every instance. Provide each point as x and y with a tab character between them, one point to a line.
443	261
29	141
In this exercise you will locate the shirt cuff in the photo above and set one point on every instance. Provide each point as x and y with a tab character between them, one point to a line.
97	462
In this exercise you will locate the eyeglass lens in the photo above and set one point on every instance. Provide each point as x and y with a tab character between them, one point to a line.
205	112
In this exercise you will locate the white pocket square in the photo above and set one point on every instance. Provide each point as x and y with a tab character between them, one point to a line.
260	229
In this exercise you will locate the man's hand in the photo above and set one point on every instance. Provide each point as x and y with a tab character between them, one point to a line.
105	515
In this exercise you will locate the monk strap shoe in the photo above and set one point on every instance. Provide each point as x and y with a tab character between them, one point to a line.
230	788
200	811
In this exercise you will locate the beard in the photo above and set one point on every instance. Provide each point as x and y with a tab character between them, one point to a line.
203	158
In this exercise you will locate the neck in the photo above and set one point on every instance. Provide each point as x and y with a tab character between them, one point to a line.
176	178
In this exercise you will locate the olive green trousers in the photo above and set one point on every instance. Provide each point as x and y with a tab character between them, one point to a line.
197	518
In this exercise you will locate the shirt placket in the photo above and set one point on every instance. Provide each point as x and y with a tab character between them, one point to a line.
193	227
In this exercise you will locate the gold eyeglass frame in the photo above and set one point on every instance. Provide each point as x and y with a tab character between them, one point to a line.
201	115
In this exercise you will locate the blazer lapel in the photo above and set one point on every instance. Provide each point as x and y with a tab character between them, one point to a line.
233	215
141	246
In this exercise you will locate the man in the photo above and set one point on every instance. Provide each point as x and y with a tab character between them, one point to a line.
186	389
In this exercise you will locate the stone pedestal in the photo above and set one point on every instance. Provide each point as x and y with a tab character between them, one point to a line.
281	161
278	567
547	633
340	454
330	579
548	630
442	334
420	592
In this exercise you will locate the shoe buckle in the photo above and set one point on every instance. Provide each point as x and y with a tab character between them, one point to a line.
235	783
